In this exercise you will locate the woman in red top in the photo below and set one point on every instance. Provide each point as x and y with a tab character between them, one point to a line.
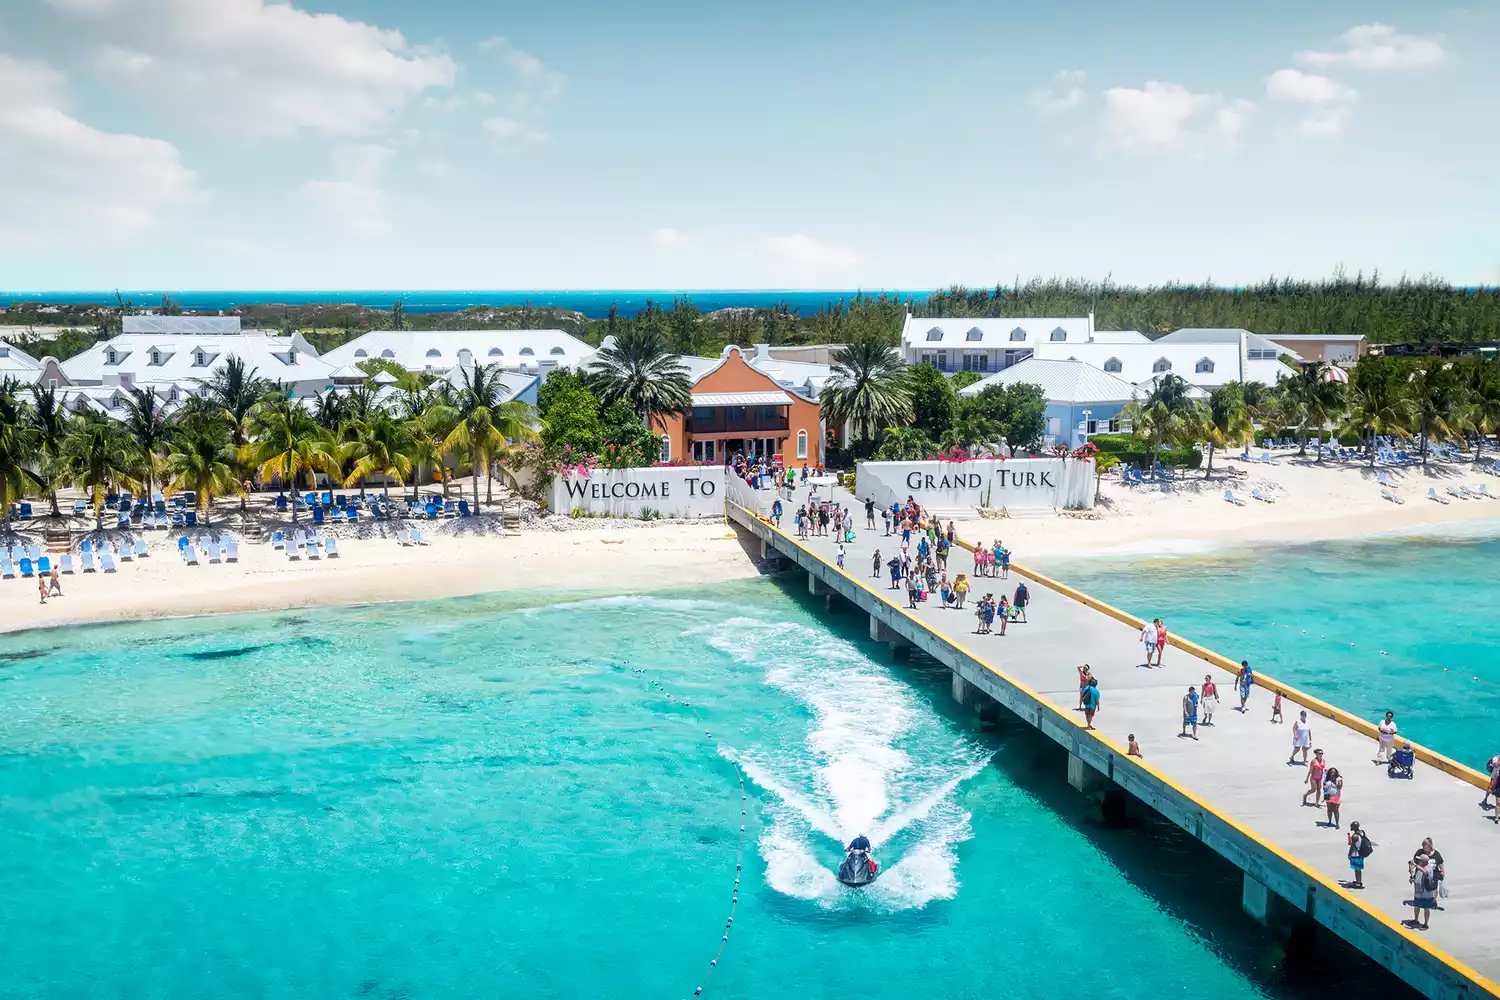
1210	700
1315	769
1161	639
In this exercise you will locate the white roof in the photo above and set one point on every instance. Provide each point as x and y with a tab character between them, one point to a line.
17	364
219	326
187	358
1120	337
741	399
804	378
1005	332
515	382
1332	338
1269	371
1221	335
1138	363
1060	382
419	350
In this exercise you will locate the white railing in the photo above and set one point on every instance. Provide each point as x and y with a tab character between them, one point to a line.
737	492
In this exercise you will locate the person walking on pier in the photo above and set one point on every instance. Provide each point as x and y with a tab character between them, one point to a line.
1301	739
1090	702
1493	792
1085	674
960	590
1333	795
1424	885
1315	771
1161	639
841	554
1209	703
1360	847
876	564
1386	743
1245	682
885	517
1275	709
1148	639
1190	712
895	567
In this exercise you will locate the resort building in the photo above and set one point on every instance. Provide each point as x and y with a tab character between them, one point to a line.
748	405
18	365
1081	399
436	352
986	345
1344	349
176	355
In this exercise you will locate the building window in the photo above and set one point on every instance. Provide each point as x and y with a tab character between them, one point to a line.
1204	365
976	362
291	356
666	448
802	444
52	384
557	351
172	395
1058	334
735	412
110	357
703	413
527	352
434	353
199	358
155	356
937	359
703	451
769	413
1113	365
1162	365
465	358
495	352
975	334
934	335
361	353
1018	335
387	353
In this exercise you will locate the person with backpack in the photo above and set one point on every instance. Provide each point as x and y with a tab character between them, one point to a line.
1360	847
1493	792
1424	891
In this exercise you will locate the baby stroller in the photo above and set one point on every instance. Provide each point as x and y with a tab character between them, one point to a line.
1402	762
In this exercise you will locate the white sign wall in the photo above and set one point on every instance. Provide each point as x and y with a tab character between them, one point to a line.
674	491
961	487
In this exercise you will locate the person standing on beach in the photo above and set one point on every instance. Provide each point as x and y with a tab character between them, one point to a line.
1245	682
1333	795
1190	712
1209	703
41	587
1148	639
54	583
1386	742
1315	770
1090	702
1301	739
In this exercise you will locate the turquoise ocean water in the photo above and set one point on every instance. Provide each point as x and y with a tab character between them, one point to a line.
479	797
1318	616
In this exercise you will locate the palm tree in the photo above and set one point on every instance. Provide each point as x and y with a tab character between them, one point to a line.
288	443
1164	414
202	459
1313	401
381	446
1378	405
1225	421
638	371
146	424
1437	401
868	388
19	446
97	454
50	420
235	389
1483	415
486	424
429	432
330	411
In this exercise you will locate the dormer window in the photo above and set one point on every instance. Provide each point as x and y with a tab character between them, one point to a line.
110	357
155	356
557	351
434	353
199	358
291	356
361	353
495	352
1204	366
1058	334
1017	335
974	334
527	352
172	395
1162	365
934	334
387	353
1113	365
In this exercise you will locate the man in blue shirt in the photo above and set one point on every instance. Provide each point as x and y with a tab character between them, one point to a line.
860	843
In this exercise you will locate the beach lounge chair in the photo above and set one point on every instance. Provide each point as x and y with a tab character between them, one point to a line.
1392	497
278	540
327	498
212	549
463	509
1483	490
141	551
1231	498
352	515
192	518
86	559
190	556
312	549
1454	493
24	513
1263	498
65	564
182	544
403	537
294	549
26	568
44	566
79	508
318	515
7	568
232	551
280	504
127	551
417	538
331	548
1432	494
107	561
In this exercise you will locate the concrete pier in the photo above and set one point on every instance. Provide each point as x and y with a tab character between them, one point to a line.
1231	788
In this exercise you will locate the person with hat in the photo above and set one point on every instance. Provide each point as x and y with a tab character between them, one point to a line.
1424	890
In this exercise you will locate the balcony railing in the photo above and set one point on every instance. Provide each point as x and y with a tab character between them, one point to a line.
720	424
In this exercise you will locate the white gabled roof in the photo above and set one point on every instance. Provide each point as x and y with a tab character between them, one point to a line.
1120	337
805	378
177	357
1005	332
769	398
515	382
17	364
1223	335
1138	362
1060	382
418	350
213	326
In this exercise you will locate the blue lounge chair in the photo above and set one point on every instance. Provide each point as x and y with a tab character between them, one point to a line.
463	509
192	518
1454	493
26	569
450	509
182	544
86	559
178	520
278	540
1231	498
1432	494
317	515
353	515
312	549
342	500
1263	498
327	498
44	566
280	504
331	548
25	512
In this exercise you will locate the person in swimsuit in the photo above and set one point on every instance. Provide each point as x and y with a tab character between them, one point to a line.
1209	703
1084	673
1161	639
1245	682
1315	769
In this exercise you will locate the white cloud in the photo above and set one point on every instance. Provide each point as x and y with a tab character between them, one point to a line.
1324	123
509	133
537	84
1063	92
261	69
61	176
672	239
1379	46
356	202
807	258
1169	117
1307	88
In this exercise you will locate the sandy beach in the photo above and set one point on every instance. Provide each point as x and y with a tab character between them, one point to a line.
1313	502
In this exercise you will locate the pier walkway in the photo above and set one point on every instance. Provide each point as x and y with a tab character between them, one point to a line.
1232	788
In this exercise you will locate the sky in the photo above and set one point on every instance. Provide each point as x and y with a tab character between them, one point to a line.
247	144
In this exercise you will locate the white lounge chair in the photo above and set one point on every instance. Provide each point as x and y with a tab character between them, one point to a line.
1483	490
1392	497
7	568
294	549
190	556
212	549
127	551
404	537
1257	494
331	548
65	563
107	561
141	551
86	559
1455	494
1229	497
312	548
417	538
1432	494
231	551
278	540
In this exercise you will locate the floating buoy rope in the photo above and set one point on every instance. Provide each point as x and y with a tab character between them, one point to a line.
739	843
1455	671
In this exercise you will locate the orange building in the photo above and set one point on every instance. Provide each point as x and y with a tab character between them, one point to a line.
738	409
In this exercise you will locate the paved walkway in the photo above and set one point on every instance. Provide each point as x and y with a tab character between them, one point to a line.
1240	764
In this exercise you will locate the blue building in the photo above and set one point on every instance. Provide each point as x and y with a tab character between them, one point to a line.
1081	399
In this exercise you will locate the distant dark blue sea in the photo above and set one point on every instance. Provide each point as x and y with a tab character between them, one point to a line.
593	304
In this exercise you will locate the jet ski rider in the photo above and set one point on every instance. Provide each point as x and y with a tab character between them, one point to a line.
860	843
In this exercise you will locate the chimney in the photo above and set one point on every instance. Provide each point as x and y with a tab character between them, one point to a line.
762	351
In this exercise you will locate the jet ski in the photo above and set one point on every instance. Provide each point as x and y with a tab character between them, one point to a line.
859	868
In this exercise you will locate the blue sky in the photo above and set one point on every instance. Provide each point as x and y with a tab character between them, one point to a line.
375	143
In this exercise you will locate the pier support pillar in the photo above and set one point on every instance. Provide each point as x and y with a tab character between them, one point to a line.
1083	777
881	632
815	586
963	691
1257	900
